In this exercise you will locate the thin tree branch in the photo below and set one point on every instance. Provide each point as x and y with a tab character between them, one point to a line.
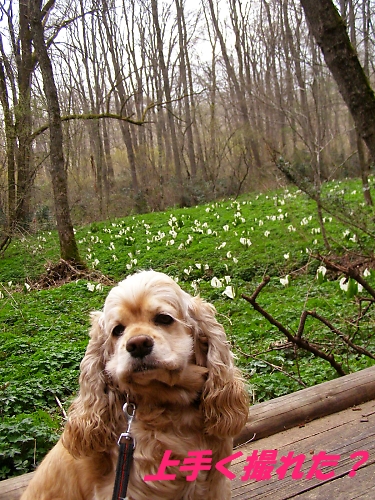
89	116
337	332
299	341
275	367
349	271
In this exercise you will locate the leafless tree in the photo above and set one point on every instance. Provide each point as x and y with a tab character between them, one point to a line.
68	246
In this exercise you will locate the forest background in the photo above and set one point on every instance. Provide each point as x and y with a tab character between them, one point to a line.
166	103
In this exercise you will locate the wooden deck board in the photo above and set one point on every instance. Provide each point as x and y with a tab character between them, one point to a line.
12	489
309	404
345	488
342	433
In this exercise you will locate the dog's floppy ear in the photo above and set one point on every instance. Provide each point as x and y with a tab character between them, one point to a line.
94	415
225	401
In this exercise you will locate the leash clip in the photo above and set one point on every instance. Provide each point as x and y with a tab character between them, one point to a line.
129	410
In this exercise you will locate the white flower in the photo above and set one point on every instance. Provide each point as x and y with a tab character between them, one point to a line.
321	270
198	266
229	292
227	279
10	283
222	245
216	283
266	234
344	283
245	241
99	287
286	256
226	227
360	287
235	260
366	273
229	255
114	258
1	295
285	281
90	287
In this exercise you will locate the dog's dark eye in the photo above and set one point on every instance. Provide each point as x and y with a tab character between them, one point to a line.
163	319
118	330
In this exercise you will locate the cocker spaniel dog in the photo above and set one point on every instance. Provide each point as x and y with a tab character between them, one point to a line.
163	350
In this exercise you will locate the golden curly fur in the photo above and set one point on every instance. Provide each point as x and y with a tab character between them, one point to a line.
166	350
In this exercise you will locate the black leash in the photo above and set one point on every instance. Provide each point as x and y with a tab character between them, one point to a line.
125	457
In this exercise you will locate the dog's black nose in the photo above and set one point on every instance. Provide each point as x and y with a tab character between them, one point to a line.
140	346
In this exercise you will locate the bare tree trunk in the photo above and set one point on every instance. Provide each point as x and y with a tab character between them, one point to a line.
239	90
361	148
200	160
330	33
365	171
291	97
25	67
68	245
10	147
184	80
120	97
93	87
108	158
168	96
